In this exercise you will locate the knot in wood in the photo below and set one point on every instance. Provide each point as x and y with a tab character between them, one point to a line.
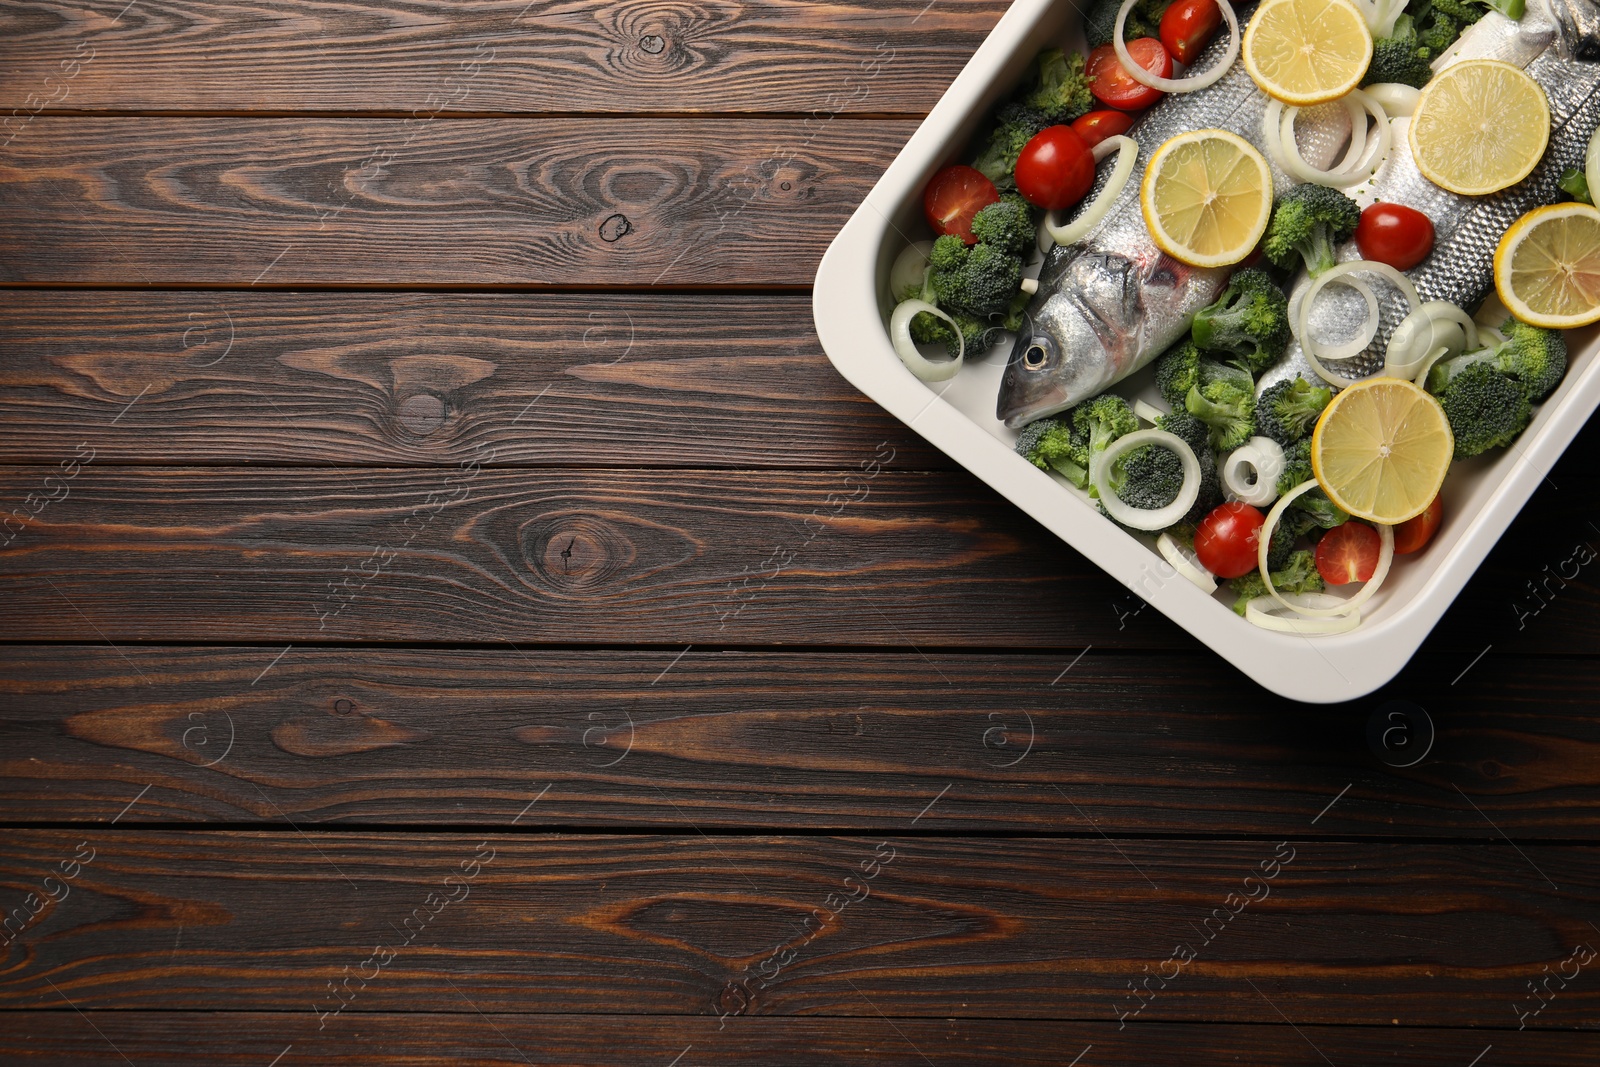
422	414
652	43
578	551
614	228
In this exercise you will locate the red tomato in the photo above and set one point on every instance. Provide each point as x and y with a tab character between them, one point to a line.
955	195
1395	234
1112	86
1227	539
1412	534
1055	169
1348	553
1187	27
1096	126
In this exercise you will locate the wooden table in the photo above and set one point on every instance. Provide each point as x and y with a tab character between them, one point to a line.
457	615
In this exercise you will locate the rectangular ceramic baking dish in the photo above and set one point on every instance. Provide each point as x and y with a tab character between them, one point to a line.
1481	496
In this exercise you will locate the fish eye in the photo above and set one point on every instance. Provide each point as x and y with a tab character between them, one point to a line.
1035	357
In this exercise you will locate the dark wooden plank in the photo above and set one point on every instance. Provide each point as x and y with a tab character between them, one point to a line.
504	56
472	202
251	1039
478	555
1419	934
784	741
542	379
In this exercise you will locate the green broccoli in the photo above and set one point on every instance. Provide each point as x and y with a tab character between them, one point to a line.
1435	30
1224	399
1576	185
1177	370
1469	11
1060	89
1143	21
1015	124
980	280
1486	409
976	335
1054	444
1007	225
1286	411
1535	357
1314	502
1400	57
1148	477
1308	224
1297	574
1101	420
1197	435
1250	321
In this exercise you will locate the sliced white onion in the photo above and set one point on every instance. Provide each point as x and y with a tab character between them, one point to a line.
1381	15
1260	456
1436	323
1176	85
906	348
1147	411
1266	613
1421	377
1029	285
1344	606
1361	160
1333	274
1141	518
1127	150
909	268
1591	165
1397	99
1185	564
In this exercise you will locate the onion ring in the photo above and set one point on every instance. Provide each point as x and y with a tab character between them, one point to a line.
1263	611
1262	455
1143	518
910	268
1359	162
1332	274
1409	346
1385	558
906	348
1127	150
1191	569
1147	411
1176	85
1397	99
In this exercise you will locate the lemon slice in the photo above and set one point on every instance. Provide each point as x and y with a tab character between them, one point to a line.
1381	449
1206	196
1480	126
1307	51
1547	267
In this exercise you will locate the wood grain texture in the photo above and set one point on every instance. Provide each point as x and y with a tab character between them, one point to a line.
251	1039
1422	934
471	202
490	556
533	379
986	743
504	56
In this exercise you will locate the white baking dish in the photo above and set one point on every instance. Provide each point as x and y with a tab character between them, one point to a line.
1481	495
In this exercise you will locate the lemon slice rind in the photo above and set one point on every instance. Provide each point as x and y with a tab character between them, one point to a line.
1381	450
1568	290
1480	125
1222	198
1306	52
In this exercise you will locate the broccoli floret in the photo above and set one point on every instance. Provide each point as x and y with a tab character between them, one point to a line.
1296	574
1535	357
1148	477
1060	89
1177	371
1250	321
1576	185
1314	503
1197	435
1286	411
1308	224
976	335
1101	420
1400	57
1015	124
1486	409
1435	34
1143	21
1054	444
980	280
1224	399
1007	225
1463	11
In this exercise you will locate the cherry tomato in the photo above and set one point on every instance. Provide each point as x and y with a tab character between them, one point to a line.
1114	87
1395	234
1348	553
954	195
1055	169
1412	534
1096	126
1188	26
1227	540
